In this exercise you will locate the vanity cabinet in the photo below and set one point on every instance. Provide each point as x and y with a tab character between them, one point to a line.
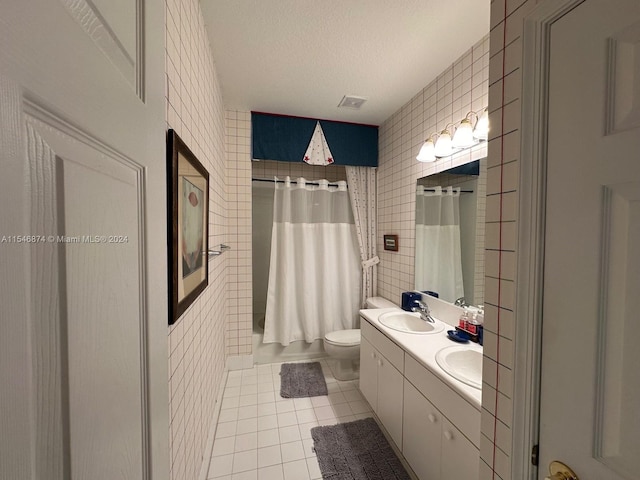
418	408
381	379
433	446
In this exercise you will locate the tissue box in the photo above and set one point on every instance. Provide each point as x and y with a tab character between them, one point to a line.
409	300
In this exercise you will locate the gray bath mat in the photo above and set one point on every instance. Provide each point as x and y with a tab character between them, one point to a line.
356	451
302	380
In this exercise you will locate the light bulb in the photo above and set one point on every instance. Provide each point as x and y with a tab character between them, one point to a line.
426	153
444	147
482	127
463	137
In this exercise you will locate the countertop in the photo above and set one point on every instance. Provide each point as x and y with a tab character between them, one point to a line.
423	348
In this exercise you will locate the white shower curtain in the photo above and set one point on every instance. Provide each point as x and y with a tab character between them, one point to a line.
314	274
362	191
438	253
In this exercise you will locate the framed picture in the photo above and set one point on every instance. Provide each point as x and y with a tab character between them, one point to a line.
391	242
188	222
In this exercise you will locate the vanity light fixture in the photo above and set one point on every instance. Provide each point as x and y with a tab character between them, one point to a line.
444	145
465	136
427	151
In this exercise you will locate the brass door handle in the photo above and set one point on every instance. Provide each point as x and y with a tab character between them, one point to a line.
559	471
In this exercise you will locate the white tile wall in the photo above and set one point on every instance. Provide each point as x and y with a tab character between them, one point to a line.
238	146
196	341
505	79
459	89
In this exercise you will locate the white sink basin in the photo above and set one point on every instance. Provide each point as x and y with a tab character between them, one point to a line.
462	363
409	323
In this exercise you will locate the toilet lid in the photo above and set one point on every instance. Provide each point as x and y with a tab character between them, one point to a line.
347	338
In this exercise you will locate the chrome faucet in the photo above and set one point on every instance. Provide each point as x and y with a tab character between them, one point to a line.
425	313
461	302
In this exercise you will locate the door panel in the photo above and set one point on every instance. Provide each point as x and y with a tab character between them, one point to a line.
83	274
591	271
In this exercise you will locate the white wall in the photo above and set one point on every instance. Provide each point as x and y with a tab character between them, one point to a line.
197	339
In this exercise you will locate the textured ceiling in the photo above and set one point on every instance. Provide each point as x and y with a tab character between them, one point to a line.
300	57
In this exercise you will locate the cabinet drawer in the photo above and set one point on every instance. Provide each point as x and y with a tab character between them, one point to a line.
445	399
384	345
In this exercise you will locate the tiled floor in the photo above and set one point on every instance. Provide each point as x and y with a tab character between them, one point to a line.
261	436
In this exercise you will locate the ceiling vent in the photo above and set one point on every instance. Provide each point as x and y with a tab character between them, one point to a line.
351	101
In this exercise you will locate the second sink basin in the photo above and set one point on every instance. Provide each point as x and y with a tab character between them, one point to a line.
462	363
409	323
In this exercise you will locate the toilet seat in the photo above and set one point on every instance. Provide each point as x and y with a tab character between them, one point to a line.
343	338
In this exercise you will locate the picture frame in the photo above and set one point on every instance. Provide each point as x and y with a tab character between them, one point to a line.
391	242
188	226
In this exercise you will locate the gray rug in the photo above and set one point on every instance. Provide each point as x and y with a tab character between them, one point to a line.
302	380
356	451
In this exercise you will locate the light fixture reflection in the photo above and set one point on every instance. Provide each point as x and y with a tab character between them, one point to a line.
481	131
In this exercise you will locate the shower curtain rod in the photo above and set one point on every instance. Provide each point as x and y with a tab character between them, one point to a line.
331	184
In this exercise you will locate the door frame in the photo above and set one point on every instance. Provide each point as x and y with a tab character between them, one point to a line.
536	55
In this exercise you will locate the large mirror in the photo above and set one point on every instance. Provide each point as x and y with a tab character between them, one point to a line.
450	225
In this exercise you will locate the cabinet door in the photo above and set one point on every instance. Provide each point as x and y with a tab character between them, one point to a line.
390	384
460	458
369	373
421	434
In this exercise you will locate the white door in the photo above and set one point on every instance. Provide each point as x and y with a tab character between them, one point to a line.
83	358
590	381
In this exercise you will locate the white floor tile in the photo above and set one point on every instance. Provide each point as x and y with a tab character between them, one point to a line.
286	419
220	466
305	429
289	434
306	416
285	406
247	426
262	436
232	392
322	401
247	411
250	475
230	402
342	410
324	413
292	451
273	472
302	403
249	399
228	415
267	422
296	470
223	446
244	461
314	468
307	445
359	407
266	397
268	456
226	429
266	409
247	441
268	438
337	398
248	389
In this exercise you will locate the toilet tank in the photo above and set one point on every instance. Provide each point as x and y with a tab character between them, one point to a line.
379	302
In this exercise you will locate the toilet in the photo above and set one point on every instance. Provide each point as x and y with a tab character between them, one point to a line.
343	346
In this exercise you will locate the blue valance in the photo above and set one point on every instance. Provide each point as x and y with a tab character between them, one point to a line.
285	138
